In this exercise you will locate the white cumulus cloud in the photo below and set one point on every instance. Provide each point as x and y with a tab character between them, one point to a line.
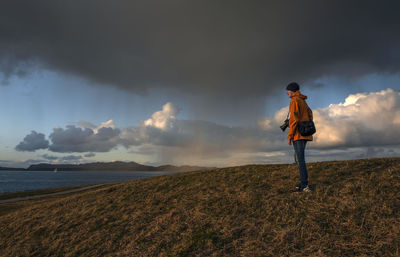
363	125
165	118
364	119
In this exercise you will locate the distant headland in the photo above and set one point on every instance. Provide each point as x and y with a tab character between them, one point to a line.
106	166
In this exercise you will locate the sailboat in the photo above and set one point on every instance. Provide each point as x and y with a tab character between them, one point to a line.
55	170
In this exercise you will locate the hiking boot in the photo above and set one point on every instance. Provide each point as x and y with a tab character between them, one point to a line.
297	189
302	189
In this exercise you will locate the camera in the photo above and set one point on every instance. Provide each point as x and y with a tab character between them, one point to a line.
285	125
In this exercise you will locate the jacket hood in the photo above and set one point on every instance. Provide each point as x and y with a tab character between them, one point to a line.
298	94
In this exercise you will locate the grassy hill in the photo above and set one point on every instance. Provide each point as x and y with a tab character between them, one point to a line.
237	211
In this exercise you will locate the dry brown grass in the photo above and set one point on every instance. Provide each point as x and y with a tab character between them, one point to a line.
237	211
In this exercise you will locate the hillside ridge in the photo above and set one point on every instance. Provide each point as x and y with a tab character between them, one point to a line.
106	166
247	210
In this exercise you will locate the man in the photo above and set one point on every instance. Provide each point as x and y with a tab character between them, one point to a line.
299	111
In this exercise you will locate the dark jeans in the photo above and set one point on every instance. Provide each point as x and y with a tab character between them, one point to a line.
299	147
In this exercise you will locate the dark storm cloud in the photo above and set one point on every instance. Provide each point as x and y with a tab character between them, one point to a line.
88	155
49	157
71	158
76	139
63	158
32	142
234	48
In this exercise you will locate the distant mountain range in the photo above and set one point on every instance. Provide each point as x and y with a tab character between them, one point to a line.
107	166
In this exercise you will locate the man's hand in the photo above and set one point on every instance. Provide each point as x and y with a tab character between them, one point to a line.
289	141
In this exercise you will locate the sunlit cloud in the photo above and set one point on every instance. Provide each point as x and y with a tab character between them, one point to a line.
163	119
361	120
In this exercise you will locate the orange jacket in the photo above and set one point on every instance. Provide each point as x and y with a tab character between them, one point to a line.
299	111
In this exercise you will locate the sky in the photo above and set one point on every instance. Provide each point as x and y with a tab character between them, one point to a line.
195	82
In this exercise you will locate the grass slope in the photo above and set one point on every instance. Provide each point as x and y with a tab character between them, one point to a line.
236	211
46	191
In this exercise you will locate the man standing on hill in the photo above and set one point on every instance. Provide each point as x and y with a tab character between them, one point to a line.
299	111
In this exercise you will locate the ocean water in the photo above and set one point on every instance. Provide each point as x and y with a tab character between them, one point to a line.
16	181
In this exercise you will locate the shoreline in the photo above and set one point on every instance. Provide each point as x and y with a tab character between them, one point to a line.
31	193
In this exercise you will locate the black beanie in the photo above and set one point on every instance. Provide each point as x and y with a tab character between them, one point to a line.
293	87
